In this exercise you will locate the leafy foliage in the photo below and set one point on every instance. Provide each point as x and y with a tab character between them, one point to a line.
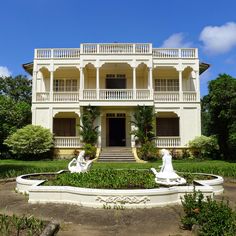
13	115
90	151
204	147
147	151
88	131
144	124
219	109
15	106
18	88
14	225
107	178
30	140
214	218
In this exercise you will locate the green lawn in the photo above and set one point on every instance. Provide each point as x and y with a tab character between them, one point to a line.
12	168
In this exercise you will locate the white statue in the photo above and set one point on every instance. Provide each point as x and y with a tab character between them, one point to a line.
167	175
80	164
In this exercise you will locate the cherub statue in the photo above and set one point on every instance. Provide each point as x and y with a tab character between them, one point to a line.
80	164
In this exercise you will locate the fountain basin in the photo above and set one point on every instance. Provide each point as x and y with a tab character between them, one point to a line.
100	198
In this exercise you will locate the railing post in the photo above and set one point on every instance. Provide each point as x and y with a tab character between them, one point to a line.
179	53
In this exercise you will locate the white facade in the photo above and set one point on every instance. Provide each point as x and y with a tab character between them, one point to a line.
116	78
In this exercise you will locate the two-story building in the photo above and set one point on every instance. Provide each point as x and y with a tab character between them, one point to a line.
117	77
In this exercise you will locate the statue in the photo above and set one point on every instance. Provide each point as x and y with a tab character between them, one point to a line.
80	164
167	175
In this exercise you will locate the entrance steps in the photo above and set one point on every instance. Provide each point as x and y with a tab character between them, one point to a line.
116	154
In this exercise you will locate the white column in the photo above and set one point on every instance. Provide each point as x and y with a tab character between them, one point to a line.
51	86
81	83
97	82
34	86
150	82
197	85
134	82
180	86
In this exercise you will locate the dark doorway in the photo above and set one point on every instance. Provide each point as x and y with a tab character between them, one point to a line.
116	127
116	83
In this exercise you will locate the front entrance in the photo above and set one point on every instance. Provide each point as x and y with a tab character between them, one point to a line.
116	132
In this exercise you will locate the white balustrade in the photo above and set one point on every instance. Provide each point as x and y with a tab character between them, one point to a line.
70	142
116	48
142	94
168	142
165	52
42	96
43	53
166	96
66	53
116	94
65	96
174	53
190	96
89	94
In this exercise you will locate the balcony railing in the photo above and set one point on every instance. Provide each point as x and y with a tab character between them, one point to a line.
168	142
175	52
69	142
115	48
117	95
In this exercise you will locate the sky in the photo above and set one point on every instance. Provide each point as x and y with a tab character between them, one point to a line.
209	25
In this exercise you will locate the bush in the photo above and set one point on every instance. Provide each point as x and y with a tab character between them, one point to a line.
204	147
147	151
30	140
107	179
213	218
90	151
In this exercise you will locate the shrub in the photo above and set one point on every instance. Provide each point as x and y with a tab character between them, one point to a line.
204	147
213	218
147	151
107	178
89	132
90	151
30	140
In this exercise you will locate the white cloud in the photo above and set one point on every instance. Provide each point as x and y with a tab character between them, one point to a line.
219	39
176	41
4	72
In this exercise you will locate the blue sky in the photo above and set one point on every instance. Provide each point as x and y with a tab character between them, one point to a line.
206	24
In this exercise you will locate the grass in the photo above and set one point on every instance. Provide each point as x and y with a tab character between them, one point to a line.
13	168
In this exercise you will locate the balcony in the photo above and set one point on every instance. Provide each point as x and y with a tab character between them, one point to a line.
117	95
67	142
116	49
168	142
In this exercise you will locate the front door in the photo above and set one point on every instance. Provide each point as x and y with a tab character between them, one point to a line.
116	127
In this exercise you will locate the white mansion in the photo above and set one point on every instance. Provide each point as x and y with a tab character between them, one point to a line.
117	77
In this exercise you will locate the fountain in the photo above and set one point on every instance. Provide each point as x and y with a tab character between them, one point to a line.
170	190
167	175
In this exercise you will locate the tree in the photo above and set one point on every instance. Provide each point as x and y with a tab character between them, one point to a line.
30	140
220	106
18	88
15	106
13	115
144	124
89	132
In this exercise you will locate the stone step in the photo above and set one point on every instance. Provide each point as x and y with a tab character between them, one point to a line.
116	154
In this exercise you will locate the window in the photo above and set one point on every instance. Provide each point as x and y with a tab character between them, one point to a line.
167	126
61	85
166	85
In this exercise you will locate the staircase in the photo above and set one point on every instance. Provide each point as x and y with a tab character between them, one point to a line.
116	154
